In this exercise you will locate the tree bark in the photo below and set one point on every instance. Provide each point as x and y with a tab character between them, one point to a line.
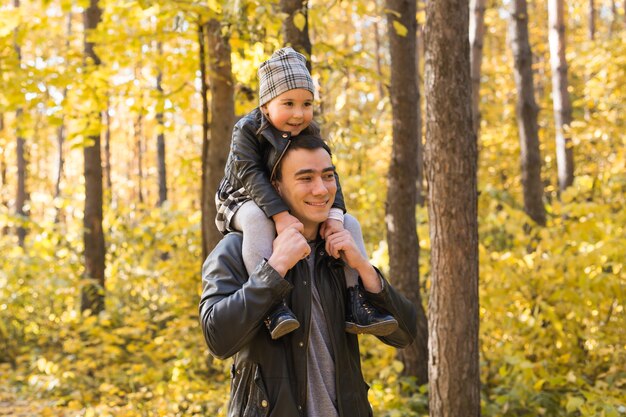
476	37
592	20
93	235
560	95
298	39
222	110
451	166
61	130
107	151
161	166
613	18
138	128
401	225
21	193
3	176
527	115
207	196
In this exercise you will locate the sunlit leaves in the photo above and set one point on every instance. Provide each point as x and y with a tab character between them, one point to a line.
299	21
400	29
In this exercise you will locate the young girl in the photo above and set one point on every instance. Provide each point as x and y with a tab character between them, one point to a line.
247	202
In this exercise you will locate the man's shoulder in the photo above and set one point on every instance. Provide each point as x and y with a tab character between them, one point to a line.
230	243
227	251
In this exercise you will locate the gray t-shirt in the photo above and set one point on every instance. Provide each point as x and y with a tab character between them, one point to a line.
321	391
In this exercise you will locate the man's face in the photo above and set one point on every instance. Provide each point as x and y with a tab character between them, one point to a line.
308	185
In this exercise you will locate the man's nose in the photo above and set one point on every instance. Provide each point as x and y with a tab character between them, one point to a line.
319	188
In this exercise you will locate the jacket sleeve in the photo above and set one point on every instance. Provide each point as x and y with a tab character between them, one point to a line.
339	201
403	310
233	305
249	169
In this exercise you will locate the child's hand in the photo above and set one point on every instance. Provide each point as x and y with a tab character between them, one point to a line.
283	220
329	227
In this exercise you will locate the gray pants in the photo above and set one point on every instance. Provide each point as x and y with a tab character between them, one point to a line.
259	233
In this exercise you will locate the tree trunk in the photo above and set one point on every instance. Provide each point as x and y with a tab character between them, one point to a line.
107	151
420	198
527	115
207	197
93	293
476	37
451	166
222	111
592	20
402	237
3	175
613	18
161	167
298	38
21	194
560	95
61	130
138	127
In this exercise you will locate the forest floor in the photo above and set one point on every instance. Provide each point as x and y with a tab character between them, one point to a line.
13	405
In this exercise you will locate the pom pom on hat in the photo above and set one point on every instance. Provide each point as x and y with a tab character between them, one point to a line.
285	70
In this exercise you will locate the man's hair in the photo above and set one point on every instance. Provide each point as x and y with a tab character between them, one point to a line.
302	141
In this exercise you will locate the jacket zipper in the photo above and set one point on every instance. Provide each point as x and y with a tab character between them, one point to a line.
278	160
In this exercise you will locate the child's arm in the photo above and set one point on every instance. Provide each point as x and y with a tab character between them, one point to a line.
334	223
283	220
249	168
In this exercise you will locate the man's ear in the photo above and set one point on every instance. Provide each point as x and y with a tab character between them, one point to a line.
276	185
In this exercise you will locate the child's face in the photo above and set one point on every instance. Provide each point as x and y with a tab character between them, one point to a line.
292	111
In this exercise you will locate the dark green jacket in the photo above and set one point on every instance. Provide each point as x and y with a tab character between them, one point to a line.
269	376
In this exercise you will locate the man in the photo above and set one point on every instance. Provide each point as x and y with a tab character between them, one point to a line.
315	370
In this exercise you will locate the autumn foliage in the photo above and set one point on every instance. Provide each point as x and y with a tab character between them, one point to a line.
552	338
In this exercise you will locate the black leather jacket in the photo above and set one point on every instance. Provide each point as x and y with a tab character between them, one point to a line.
269	376
252	162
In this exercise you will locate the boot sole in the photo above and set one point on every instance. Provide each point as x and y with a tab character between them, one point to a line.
284	328
383	328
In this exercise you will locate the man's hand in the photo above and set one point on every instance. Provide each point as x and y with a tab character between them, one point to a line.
289	247
342	244
283	220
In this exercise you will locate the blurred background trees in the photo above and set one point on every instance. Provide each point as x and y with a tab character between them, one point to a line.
115	117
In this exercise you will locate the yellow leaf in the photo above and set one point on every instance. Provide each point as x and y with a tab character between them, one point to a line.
401	30
215	6
299	21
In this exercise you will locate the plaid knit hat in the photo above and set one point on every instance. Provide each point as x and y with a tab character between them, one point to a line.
285	70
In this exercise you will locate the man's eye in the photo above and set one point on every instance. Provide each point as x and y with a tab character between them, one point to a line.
329	177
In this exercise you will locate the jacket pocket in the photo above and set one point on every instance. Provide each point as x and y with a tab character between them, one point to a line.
248	396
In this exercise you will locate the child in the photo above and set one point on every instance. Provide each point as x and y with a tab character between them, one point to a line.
247	202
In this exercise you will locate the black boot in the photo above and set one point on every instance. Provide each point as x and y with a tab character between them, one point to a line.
362	317
281	321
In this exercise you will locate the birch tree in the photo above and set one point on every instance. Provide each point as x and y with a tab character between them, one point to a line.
560	95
